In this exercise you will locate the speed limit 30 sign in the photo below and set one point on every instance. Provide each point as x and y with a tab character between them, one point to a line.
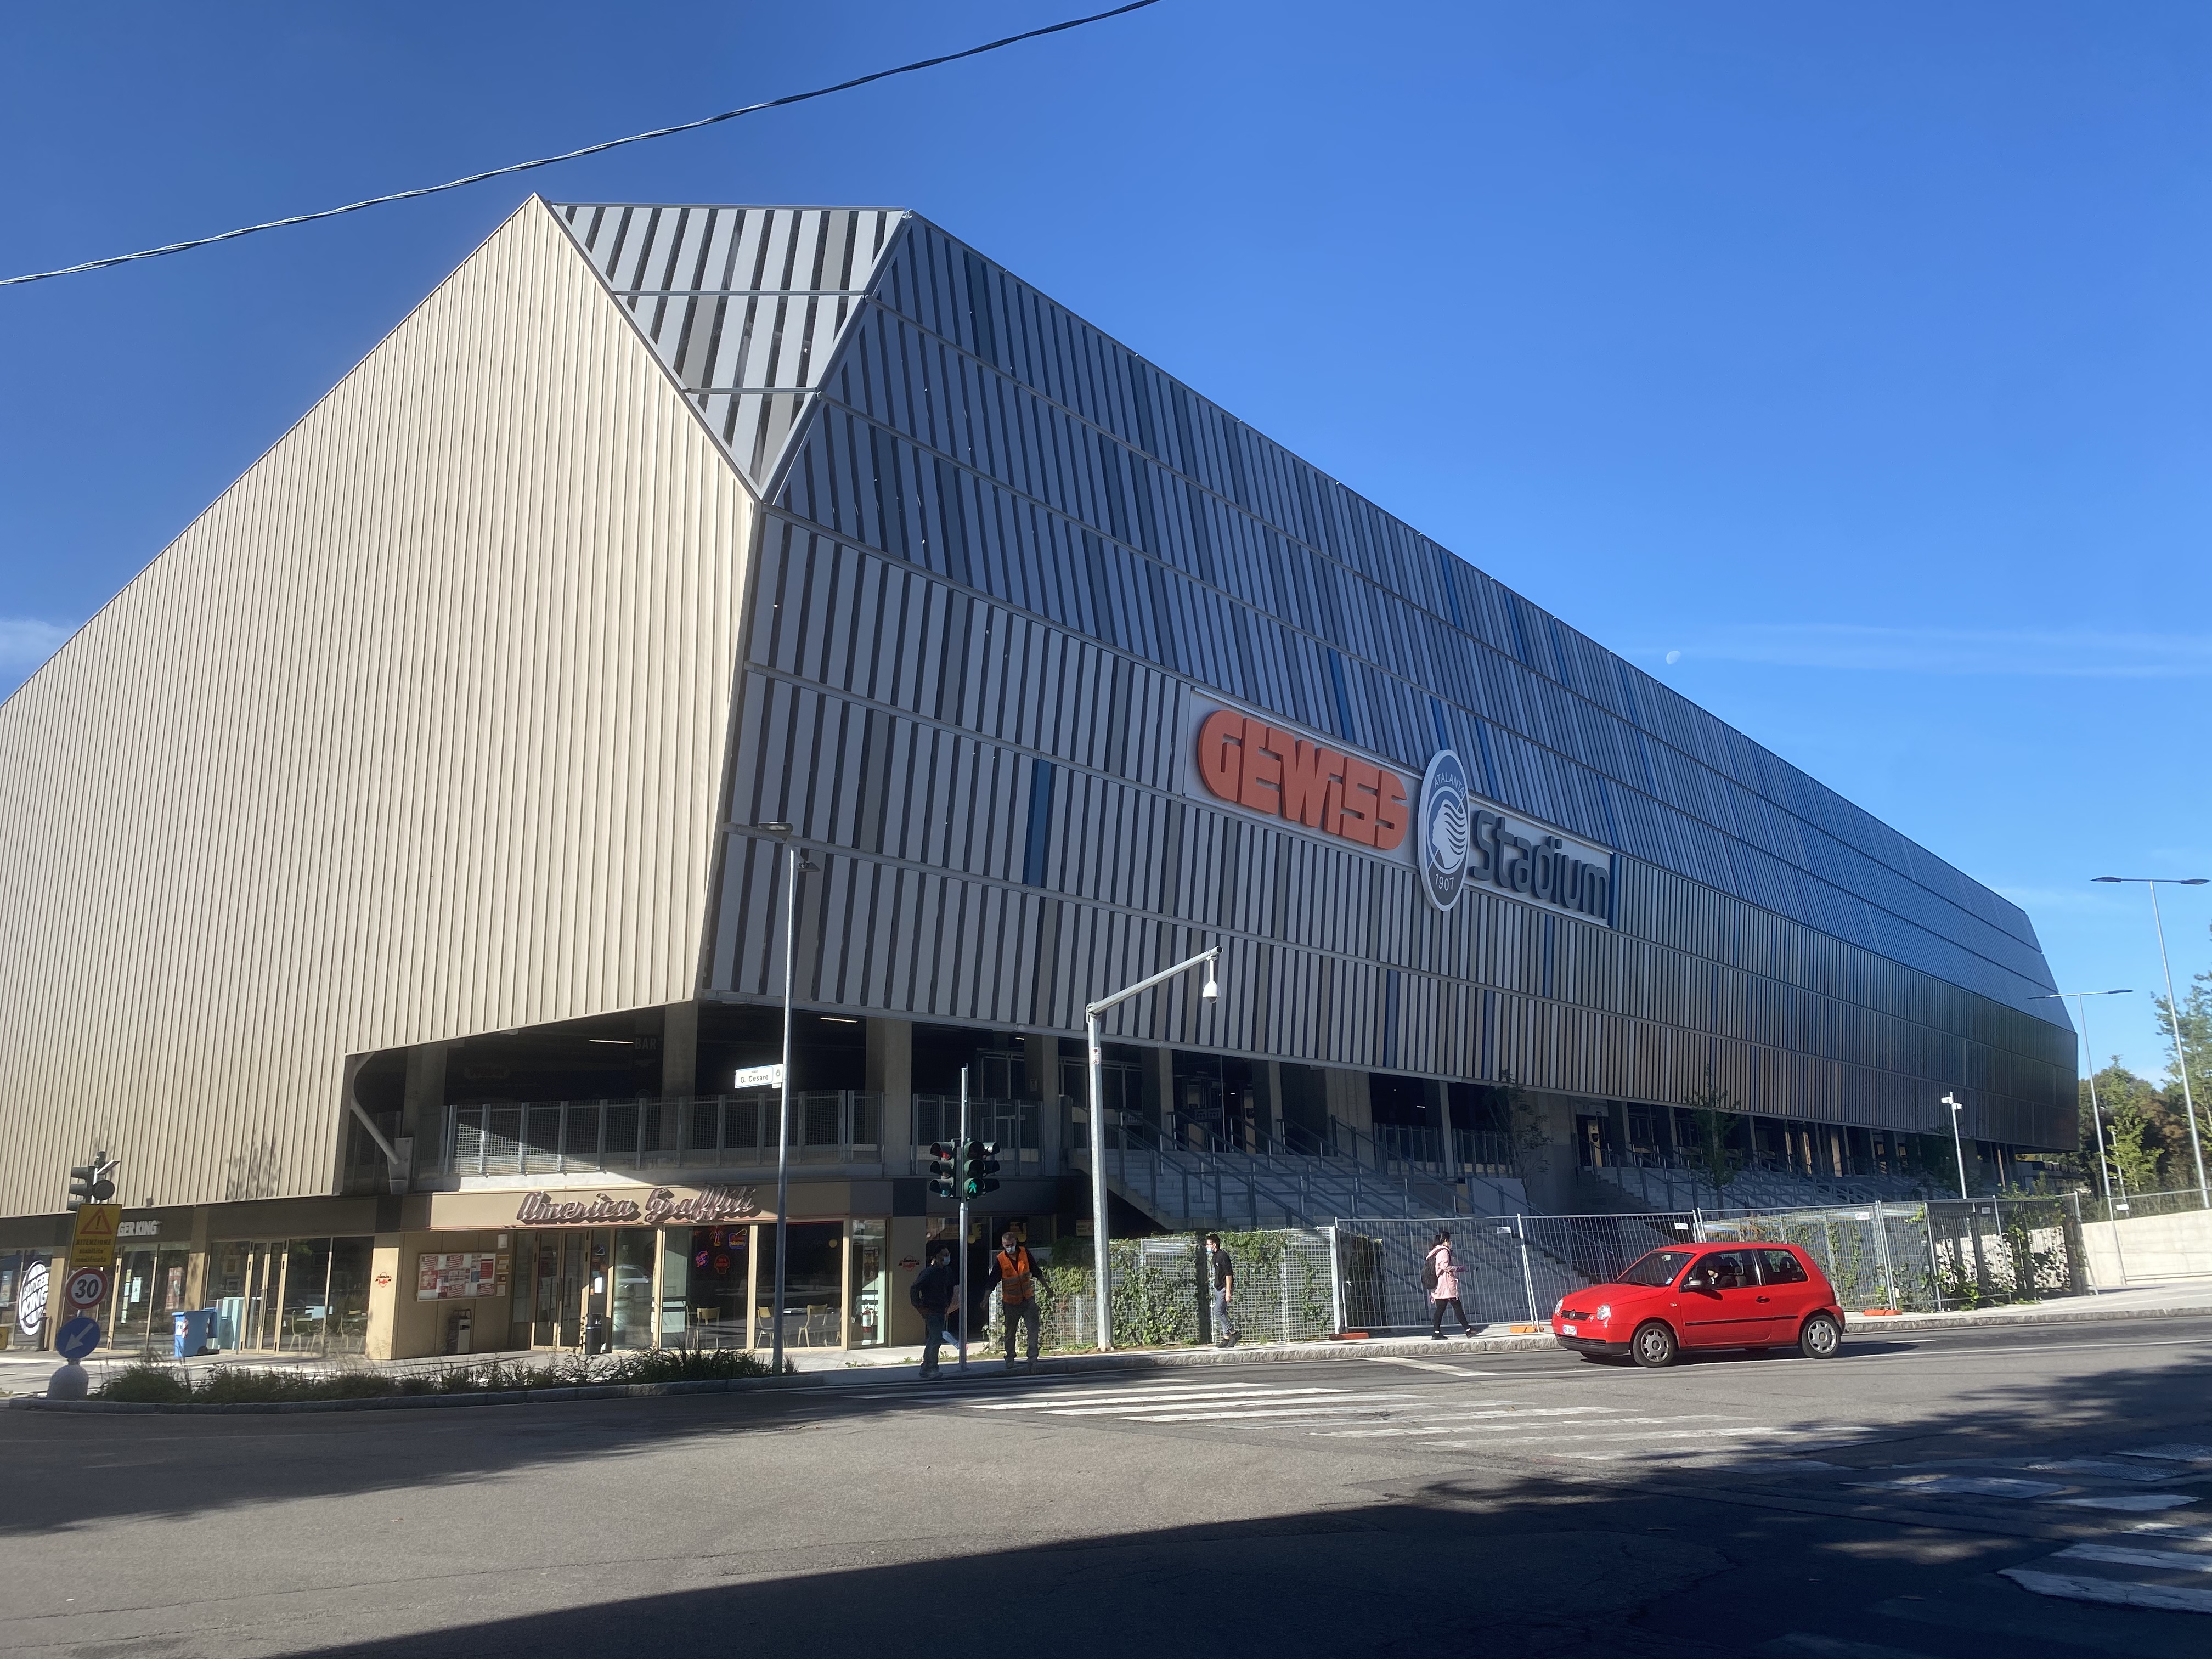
86	1288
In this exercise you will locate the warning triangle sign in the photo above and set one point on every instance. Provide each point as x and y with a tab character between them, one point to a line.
95	1221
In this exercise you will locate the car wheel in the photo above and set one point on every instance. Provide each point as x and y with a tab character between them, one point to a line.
1654	1347
1821	1338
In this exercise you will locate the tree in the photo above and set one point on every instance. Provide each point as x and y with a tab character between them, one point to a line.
2141	1134
1716	1113
2196	1023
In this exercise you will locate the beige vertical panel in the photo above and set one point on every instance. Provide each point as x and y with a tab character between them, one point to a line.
415	733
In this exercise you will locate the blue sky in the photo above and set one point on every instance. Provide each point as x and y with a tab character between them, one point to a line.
1861	356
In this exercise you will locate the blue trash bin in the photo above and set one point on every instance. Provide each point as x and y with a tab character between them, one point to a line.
195	1332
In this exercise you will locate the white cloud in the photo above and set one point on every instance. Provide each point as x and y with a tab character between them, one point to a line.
25	642
2059	653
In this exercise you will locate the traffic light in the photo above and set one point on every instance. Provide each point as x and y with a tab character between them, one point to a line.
944	1170
88	1182
979	1163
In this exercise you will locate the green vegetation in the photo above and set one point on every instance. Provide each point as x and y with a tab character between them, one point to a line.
148	1383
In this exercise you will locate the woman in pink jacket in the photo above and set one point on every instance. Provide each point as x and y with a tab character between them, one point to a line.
1442	1272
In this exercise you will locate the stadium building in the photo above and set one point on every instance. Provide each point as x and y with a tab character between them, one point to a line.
385	886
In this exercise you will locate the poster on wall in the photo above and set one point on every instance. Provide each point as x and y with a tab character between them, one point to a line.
455	1276
31	1300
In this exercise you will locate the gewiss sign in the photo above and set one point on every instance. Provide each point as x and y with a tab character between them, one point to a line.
1456	838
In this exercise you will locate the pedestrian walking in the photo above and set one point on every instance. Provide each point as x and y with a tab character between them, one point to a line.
935	1288
1015	1272
1440	1275
1221	1274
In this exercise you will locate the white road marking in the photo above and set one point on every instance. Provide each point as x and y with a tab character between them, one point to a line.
1337	1410
2119	1555
2179	1453
1428	1366
2118	1592
1968	1486
2106	1468
1116	1401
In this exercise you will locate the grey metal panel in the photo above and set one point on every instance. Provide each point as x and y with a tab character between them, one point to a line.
743	304
415	733
1803	1022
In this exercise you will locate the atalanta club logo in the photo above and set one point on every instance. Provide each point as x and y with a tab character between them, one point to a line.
1442	822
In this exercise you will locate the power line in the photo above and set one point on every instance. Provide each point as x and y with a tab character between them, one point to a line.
575	154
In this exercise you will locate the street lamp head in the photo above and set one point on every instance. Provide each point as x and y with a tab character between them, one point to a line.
775	829
2107	878
2194	881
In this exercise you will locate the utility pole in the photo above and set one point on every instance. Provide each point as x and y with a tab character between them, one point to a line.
960	1179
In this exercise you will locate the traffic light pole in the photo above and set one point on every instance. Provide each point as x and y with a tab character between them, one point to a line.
960	1180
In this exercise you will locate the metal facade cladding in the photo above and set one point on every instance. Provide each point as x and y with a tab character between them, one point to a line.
1005	568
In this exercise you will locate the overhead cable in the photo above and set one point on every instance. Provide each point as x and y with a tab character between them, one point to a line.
577	155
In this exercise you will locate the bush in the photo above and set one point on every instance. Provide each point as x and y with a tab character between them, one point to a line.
147	1383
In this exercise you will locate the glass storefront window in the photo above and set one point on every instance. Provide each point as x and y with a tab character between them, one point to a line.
870	1326
813	1287
717	1285
631	1298
346	1331
675	1286
306	1295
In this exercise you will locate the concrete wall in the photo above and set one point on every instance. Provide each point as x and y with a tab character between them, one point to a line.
2147	1248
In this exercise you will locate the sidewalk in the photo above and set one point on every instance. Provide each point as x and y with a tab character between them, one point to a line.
26	1373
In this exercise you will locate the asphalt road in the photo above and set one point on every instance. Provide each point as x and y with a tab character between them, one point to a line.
1923	1495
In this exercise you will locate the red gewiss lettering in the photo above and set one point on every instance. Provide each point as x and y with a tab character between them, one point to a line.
1264	768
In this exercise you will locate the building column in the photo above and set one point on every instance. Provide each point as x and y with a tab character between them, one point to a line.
422	1106
1438	1095
1350	1099
890	1077
679	1050
1041	1063
1160	1090
1268	1075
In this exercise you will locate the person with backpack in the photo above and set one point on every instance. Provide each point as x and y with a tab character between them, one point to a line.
1221	1276
935	1288
1015	1272
1440	1278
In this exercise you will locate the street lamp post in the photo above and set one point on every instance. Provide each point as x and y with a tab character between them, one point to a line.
2173	1016
796	863
1090	1013
2096	1115
1957	1146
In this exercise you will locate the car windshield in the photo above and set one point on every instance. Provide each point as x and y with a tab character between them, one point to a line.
1657	1269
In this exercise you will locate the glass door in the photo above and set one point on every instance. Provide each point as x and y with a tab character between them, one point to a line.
546	1301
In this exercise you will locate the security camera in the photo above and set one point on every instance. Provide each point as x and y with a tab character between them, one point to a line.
1213	992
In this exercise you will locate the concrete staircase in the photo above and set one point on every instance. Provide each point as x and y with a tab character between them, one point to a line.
1181	1187
1634	1189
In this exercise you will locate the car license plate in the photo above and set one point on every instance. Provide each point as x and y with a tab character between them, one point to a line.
1567	1330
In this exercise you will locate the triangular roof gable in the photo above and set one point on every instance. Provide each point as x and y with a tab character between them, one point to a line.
745	305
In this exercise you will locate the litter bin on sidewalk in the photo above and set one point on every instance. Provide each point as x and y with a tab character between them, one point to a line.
195	1332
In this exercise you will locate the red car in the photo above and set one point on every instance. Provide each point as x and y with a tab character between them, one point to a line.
1705	1295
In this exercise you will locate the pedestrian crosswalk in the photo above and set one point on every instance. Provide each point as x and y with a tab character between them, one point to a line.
2150	1567
1440	1417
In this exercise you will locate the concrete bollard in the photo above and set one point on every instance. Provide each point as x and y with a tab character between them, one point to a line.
72	1382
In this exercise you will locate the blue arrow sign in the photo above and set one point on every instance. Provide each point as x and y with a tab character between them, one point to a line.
77	1338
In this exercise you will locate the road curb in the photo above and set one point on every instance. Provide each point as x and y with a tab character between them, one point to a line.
1975	1320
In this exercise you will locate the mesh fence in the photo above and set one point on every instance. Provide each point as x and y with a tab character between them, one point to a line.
1928	1256
1159	1299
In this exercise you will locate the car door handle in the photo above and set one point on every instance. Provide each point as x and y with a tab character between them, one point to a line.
1762	1298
